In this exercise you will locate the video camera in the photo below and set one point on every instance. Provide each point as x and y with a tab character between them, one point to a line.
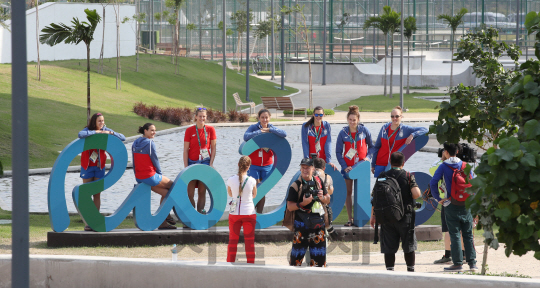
467	154
311	187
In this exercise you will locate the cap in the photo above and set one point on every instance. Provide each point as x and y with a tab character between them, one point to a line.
307	161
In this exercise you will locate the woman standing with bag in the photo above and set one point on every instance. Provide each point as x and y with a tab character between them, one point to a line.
93	160
262	160
242	188
199	148
353	145
391	138
317	136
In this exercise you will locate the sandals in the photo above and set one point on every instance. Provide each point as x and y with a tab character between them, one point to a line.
170	220
349	223
169	226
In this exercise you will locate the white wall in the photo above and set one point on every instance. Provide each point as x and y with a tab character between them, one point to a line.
64	13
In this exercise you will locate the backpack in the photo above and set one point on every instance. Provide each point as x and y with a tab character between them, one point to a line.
459	184
387	200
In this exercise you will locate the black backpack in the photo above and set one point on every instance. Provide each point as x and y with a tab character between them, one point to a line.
387	200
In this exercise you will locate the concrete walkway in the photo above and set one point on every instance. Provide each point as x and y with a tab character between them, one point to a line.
330	96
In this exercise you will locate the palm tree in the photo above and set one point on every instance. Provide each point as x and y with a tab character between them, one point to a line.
409	24
453	22
389	23
79	32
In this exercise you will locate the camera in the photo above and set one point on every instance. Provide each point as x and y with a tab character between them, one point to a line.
310	189
417	205
466	154
313	156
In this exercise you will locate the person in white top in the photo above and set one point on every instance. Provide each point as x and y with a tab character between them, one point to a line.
242	189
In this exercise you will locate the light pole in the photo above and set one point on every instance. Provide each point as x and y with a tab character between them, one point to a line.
282	47
224	50
247	53
401	59
272	40
324	45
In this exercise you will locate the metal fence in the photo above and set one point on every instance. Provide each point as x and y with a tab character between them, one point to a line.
344	21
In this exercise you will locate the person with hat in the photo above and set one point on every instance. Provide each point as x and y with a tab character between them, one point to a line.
306	198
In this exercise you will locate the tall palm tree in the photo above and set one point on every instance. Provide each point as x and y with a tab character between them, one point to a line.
79	32
453	22
409	24
389	23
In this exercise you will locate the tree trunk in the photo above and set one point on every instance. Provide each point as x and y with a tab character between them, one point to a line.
88	83
101	61
118	71
452	60
385	59
391	64
241	56
137	37
484	259
200	39
172	43
37	41
408	62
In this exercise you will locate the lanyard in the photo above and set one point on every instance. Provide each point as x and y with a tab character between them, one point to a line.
353	140
243	185
393	143
318	135
205	136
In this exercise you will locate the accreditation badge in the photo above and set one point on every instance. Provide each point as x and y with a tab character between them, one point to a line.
204	153
318	146
94	156
350	154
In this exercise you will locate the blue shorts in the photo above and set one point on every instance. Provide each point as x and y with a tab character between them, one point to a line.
345	176
92	172
379	170
204	161
259	172
151	181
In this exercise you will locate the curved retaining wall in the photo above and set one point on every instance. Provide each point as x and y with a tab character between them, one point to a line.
85	271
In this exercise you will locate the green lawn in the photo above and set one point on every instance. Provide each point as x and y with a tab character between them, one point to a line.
379	103
57	104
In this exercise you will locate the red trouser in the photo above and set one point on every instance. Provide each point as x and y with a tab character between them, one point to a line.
235	223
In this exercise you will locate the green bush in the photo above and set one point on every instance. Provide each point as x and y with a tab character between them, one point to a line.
268	73
309	112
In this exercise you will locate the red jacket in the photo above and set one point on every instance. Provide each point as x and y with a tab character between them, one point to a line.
85	158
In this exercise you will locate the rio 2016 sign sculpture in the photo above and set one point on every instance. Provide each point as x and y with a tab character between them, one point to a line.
138	200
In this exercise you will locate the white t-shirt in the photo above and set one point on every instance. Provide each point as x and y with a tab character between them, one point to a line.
245	204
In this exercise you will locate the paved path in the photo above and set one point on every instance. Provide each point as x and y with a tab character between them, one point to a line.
330	96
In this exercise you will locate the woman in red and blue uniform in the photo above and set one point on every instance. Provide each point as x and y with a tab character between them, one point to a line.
146	167
199	148
262	160
391	138
352	146
317	136
93	160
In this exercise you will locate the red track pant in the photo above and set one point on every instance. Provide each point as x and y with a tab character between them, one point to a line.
235	223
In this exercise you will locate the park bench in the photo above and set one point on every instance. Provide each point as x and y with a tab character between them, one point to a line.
239	103
167	47
281	103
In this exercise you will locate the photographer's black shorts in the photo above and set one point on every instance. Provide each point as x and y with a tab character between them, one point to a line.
443	221
392	234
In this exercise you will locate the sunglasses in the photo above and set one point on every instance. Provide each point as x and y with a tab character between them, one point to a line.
201	108
318	115
395	116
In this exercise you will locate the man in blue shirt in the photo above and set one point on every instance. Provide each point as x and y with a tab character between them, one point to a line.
458	217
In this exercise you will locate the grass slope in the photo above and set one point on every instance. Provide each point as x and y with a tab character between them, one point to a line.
379	103
57	104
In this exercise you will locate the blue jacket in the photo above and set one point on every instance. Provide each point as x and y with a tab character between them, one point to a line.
326	136
85	133
142	149
403	134
447	173
255	130
363	137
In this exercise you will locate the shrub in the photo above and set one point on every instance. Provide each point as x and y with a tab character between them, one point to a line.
243	117
163	114
140	109
233	115
309	112
268	73
174	116
152	112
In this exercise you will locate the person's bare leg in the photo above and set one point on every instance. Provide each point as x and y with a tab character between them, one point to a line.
162	189
260	206
201	200
348	200
191	192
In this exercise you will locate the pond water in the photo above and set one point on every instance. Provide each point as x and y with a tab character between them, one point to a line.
170	151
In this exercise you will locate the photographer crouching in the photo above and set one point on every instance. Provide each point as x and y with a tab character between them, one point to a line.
307	198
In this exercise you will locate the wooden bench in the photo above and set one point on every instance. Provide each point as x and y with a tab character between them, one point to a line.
169	46
281	103
239	103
